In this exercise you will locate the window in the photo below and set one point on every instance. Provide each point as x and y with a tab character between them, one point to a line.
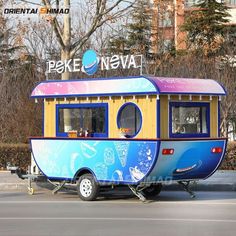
190	3
166	19
189	119
230	2
91	117
129	119
166	45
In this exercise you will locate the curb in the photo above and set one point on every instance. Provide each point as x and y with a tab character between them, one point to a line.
203	187
13	186
172	187
222	181
24	186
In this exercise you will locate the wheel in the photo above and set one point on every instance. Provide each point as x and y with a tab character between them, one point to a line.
87	187
153	190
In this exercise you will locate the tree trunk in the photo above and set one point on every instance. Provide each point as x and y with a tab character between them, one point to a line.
65	55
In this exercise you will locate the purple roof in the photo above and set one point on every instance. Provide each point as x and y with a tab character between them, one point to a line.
188	86
125	86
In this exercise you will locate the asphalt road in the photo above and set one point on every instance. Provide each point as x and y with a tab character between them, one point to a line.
172	213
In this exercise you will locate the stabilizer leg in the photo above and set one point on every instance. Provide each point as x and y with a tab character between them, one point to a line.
137	193
58	187
185	185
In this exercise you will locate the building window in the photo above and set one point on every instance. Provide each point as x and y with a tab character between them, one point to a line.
166	45
165	19
230	2
91	118
189	119
129	120
190	3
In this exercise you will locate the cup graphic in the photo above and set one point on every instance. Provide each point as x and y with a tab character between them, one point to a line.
136	174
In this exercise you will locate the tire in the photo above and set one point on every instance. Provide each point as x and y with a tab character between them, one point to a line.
153	190
87	187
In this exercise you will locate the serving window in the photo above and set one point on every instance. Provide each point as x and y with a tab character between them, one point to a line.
129	120
189	119
89	119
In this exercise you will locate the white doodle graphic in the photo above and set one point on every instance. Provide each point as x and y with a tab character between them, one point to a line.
122	149
109	156
73	161
117	175
136	174
145	158
101	171
88	150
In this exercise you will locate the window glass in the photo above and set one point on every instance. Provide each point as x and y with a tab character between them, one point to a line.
230	2
190	3
166	19
189	120
166	45
83	118
129	120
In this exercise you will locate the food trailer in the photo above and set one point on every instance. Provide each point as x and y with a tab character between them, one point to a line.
138	131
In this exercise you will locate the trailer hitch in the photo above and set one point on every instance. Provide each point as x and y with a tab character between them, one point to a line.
18	171
22	174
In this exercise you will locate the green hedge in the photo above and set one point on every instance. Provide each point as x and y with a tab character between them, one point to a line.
19	155
15	154
229	162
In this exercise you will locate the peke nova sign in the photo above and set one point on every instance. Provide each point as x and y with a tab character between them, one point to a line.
90	63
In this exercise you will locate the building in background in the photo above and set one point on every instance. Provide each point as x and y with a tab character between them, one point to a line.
168	17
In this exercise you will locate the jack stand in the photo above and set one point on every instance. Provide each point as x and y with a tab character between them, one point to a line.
185	185
58	187
30	189
137	193
23	175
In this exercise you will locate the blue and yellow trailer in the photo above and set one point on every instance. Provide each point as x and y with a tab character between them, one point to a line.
136	131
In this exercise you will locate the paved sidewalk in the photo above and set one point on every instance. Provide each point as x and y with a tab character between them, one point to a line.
11	182
220	181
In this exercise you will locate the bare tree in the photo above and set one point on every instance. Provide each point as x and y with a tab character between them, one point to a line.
96	13
102	11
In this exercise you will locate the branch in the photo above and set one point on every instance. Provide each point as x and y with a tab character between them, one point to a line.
57	30
55	25
57	3
99	2
112	7
97	22
33	3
